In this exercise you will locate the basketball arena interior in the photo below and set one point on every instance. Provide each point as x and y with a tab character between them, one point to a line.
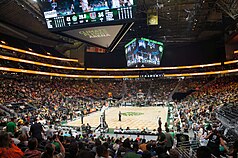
118	78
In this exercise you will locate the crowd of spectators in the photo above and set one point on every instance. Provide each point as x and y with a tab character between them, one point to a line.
161	89
60	99
137	86
54	91
55	100
83	146
192	84
198	112
150	90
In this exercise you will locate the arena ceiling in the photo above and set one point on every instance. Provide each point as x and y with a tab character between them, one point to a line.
179	21
185	20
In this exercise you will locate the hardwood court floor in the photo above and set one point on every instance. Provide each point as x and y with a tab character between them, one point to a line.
148	118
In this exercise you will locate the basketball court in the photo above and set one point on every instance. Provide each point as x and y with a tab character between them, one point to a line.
132	117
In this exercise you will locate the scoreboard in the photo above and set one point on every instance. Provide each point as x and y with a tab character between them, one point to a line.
142	52
90	17
66	14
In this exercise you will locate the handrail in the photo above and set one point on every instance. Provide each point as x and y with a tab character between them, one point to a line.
120	69
104	69
97	69
36	54
39	63
110	77
202	73
63	75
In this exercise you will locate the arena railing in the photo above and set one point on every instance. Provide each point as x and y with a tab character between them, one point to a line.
104	76
36	54
110	77
39	63
99	69
188	149
189	154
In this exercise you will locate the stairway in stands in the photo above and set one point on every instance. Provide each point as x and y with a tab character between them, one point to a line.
175	89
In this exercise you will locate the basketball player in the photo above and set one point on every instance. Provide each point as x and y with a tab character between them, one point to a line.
84	4
72	9
115	3
119	115
160	122
130	2
127	3
77	6
82	116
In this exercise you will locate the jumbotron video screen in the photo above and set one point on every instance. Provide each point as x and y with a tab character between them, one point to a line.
144	52
68	13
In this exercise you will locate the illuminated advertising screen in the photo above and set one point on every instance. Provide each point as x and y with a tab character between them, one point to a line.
143	52
93	49
68	13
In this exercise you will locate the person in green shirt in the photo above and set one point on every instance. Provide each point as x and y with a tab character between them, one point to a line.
11	126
